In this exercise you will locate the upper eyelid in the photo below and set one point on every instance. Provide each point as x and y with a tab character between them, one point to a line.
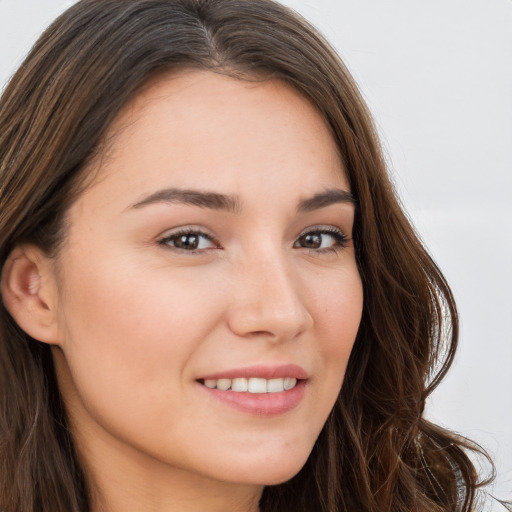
324	229
204	231
186	230
332	231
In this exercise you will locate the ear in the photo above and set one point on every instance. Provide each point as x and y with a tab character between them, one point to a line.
29	292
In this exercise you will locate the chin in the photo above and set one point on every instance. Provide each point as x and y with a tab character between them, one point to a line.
272	472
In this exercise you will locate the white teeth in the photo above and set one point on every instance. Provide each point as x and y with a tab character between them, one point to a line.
224	384
239	384
257	385
289	383
252	385
275	385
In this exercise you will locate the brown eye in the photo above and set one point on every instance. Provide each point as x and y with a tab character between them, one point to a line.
322	239
311	241
189	241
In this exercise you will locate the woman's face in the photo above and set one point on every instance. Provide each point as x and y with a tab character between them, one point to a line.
213	250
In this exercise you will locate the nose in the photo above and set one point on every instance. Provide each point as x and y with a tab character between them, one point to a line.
268	302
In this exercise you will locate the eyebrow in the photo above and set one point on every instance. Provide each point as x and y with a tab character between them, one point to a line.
326	198
216	201
211	200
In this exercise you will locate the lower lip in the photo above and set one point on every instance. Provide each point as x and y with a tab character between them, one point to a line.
261	404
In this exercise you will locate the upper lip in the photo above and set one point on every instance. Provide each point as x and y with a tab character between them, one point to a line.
260	371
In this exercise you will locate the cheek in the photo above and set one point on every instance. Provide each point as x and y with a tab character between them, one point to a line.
134	306
339	309
337	312
128	331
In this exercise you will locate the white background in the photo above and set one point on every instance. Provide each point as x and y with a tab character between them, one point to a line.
438	78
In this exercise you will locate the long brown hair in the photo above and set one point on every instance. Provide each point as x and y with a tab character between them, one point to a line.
376	452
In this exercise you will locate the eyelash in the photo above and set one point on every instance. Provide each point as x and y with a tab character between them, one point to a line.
341	240
187	232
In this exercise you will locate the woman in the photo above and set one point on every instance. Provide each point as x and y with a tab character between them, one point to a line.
211	297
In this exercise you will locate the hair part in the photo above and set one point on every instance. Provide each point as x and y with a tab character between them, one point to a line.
376	452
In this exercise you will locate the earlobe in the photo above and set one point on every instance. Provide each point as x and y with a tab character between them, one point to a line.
29	292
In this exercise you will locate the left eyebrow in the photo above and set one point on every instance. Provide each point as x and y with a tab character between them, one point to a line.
326	198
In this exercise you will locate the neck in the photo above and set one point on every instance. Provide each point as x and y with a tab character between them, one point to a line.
118	503
123	480
117	495
121	477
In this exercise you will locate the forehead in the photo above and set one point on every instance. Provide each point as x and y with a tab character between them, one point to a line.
199	129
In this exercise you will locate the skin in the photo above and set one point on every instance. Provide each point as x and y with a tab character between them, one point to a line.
136	322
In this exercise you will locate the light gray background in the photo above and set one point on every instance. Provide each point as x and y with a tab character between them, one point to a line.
438	77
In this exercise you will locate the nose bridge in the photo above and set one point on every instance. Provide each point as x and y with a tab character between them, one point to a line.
268	299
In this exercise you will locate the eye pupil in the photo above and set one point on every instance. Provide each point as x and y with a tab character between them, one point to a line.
187	242
311	240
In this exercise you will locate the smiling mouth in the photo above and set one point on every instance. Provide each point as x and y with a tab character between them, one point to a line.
252	384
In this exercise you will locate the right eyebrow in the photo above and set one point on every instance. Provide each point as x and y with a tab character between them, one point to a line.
199	198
